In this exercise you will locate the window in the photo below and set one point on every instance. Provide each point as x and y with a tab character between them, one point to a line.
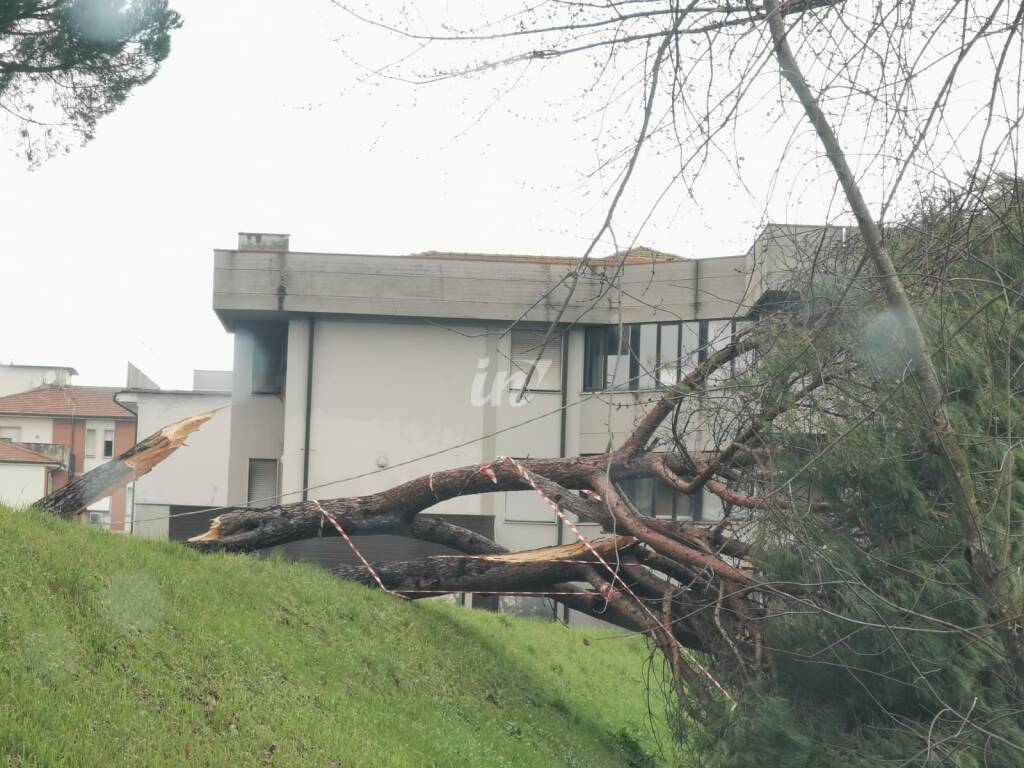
744	362
90	443
525	347
11	434
108	443
268	358
262	482
643	356
654	498
99	519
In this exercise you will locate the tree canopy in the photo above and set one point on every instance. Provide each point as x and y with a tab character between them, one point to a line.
65	64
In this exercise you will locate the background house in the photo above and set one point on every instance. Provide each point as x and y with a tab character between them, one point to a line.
19	378
76	427
24	474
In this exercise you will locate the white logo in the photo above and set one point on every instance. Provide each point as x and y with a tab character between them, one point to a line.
491	388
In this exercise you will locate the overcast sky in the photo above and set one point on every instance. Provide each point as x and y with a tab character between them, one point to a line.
259	121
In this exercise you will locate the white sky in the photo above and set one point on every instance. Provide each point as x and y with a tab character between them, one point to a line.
258	122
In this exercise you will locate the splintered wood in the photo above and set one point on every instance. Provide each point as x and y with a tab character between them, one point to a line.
107	478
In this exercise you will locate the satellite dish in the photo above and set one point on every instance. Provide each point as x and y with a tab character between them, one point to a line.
50	377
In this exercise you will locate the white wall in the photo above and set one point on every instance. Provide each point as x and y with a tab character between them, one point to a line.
22	484
393	391
197	473
33	429
17	378
400	389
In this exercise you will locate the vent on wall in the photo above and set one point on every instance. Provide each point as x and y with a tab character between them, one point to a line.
262	482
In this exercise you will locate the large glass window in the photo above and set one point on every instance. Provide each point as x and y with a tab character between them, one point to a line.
668	354
643	356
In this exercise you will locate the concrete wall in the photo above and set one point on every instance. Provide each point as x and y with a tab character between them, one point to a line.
21	484
473	288
781	248
257	422
211	381
38	429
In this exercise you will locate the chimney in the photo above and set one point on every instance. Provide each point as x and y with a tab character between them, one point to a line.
262	241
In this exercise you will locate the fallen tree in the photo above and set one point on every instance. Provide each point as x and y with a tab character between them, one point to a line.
861	597
833	563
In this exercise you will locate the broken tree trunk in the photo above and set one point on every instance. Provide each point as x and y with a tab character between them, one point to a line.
101	482
535	569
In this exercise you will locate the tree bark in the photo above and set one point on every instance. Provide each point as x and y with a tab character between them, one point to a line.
534	570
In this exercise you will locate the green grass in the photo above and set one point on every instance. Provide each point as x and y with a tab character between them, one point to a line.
118	651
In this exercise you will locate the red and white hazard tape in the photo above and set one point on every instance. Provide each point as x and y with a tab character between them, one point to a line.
487	470
325	515
608	588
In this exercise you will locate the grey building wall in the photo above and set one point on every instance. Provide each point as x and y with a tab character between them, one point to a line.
257	421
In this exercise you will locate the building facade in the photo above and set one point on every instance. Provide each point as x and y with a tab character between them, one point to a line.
353	373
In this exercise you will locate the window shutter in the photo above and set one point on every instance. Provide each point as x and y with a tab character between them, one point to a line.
525	346
262	482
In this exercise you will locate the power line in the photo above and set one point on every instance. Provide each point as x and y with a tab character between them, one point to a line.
372	472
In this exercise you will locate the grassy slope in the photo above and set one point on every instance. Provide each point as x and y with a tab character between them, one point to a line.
122	651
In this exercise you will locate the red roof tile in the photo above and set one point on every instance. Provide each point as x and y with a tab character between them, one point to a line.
10	453
94	402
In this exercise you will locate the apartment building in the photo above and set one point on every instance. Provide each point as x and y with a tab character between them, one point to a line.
77	428
355	372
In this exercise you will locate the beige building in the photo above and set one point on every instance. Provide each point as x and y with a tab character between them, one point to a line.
354	372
